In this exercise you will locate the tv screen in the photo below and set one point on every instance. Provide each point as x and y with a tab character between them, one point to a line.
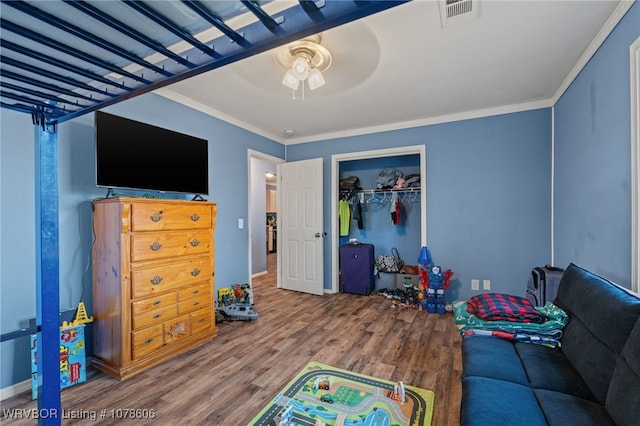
135	155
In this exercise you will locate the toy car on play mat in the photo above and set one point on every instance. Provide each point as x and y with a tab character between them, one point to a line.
238	311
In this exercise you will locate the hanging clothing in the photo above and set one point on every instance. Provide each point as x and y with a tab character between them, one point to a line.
344	214
395	209
356	212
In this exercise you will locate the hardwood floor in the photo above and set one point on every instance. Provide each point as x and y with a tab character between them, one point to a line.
227	381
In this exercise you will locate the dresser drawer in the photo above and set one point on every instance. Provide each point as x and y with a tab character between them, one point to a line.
153	246
177	329
154	317
201	320
146	341
163	216
194	304
144	306
194	291
158	279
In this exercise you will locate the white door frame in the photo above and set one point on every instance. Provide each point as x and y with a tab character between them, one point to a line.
335	179
634	60
261	156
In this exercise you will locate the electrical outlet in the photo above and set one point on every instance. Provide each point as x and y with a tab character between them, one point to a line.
486	284
475	284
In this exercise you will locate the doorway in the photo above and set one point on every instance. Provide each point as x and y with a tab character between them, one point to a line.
263	212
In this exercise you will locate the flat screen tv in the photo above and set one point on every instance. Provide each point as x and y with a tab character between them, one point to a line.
135	155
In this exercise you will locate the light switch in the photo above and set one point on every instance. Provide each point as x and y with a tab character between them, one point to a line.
240	223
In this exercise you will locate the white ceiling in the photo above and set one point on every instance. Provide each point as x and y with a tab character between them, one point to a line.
403	68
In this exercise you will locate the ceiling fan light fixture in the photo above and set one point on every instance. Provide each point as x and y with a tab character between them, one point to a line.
304	60
315	79
300	68
290	80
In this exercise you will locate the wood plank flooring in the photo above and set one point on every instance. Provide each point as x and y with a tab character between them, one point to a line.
227	381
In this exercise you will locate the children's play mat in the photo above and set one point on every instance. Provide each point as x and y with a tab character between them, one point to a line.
324	395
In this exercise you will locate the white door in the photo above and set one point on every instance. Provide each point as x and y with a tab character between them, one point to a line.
301	242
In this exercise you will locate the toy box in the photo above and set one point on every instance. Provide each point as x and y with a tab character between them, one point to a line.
386	280
72	359
402	279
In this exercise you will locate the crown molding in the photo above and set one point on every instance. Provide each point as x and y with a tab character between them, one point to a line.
467	115
607	28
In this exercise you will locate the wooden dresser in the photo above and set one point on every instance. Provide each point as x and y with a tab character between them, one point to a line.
153	281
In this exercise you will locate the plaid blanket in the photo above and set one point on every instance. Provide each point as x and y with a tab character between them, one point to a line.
503	307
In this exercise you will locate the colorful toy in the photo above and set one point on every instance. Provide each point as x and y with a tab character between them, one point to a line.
242	293
238	293
322	383
80	318
225	296
398	393
237	311
434	282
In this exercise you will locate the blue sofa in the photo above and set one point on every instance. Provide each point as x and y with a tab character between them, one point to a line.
593	379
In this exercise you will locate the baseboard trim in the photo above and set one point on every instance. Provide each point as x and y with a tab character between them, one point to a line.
13	390
258	274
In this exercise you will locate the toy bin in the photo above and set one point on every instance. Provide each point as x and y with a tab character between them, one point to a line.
403	280
385	280
72	359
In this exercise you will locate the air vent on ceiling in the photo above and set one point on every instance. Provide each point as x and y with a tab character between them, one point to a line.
452	11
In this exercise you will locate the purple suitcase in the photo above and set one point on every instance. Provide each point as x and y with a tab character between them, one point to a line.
356	267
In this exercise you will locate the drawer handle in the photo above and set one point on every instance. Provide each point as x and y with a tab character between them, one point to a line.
156	280
196	303
195	272
195	292
156	316
194	243
156	303
195	217
201	320
155	246
146	342
156	217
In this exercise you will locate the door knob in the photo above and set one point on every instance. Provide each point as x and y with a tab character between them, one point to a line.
321	234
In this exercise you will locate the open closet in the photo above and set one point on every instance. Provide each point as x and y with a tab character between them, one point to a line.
385	207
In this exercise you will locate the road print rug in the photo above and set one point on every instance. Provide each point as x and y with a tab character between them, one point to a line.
321	394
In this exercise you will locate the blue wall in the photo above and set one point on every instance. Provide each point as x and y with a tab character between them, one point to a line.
17	242
592	160
228	177
488	194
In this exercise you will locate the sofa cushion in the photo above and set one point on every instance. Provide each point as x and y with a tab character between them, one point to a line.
561	409
623	399
594	306
494	358
548	368
490	402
